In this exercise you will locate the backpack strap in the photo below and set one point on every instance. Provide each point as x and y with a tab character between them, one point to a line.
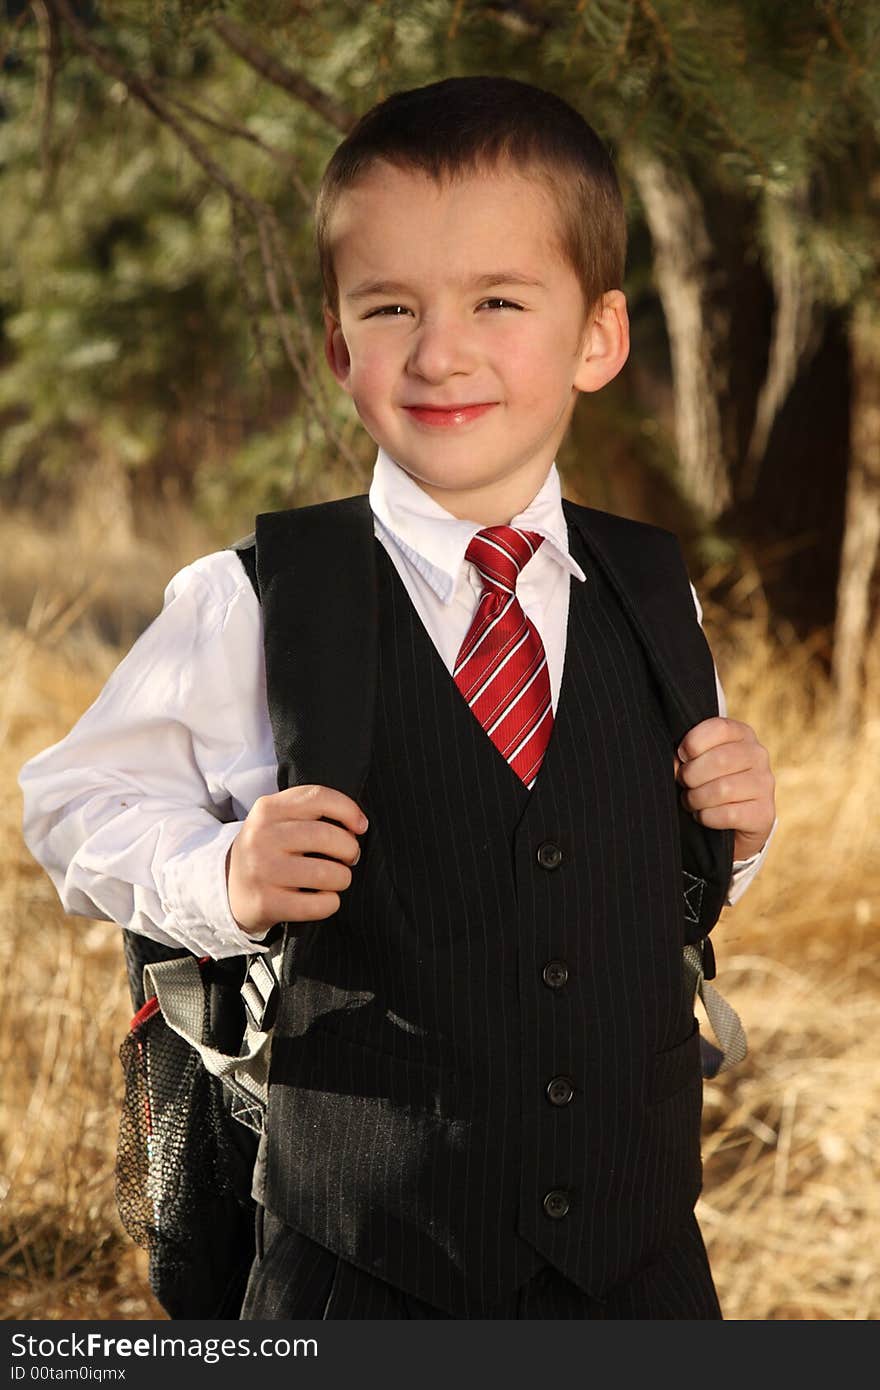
726	1023
646	569
180	989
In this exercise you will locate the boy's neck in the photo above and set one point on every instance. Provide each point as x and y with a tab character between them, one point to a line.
489	506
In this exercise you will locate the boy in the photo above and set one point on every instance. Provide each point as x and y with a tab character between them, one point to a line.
485	1090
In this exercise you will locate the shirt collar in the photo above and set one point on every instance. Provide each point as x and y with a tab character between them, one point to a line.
435	541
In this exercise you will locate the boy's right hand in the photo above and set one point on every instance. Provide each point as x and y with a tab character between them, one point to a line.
270	861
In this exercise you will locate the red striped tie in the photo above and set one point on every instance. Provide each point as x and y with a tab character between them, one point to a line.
501	669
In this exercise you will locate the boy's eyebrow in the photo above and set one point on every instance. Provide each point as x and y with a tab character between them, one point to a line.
480	282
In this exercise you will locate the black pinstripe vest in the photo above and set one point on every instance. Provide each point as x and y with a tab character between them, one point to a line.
487	1059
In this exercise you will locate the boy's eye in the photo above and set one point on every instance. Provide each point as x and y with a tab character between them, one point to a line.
393	309
397	310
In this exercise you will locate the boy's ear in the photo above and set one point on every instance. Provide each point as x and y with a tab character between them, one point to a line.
605	345
336	350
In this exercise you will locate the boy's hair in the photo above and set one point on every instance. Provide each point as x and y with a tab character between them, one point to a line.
466	125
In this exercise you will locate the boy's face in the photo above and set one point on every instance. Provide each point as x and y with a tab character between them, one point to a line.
462	336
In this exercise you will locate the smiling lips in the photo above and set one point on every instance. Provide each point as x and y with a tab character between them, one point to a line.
449	415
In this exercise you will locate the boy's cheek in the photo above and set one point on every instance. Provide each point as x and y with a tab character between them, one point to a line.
371	369
362	386
369	405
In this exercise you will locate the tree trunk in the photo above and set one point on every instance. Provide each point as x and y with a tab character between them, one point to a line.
862	527
794	337
696	325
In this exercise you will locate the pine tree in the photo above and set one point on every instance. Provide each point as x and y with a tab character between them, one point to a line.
168	182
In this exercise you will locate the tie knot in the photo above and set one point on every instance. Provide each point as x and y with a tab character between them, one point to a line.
500	553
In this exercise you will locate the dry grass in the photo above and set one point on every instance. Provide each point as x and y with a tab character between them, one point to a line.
63	1013
72	601
790	1205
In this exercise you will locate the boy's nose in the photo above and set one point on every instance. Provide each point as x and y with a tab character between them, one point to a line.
441	350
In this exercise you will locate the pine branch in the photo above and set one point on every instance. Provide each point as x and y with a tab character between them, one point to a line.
14	26
48	27
252	308
667	48
623	43
146	94
455	21
225	125
266	237
578	30
518	19
262	214
835	28
280	75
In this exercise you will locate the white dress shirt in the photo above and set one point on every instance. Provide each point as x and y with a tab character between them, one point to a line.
132	813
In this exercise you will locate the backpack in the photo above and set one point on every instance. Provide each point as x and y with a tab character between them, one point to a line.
196	1057
193	1110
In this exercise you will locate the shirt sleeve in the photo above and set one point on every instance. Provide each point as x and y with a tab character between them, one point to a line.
744	870
133	812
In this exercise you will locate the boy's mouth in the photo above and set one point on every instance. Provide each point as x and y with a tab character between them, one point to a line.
448	415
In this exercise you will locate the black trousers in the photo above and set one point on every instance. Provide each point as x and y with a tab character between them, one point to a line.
293	1277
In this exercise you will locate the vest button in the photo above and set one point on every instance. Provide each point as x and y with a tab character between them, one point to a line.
555	973
560	1090
549	855
557	1203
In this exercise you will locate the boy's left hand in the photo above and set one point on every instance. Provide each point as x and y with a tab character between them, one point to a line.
728	783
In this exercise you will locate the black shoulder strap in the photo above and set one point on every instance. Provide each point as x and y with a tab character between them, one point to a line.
646	568
317	577
647	571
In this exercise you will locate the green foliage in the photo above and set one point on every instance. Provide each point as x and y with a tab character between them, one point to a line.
121	304
126	307
285	464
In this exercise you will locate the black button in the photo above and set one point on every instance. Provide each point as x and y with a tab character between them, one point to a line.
555	973
557	1203
549	855
560	1090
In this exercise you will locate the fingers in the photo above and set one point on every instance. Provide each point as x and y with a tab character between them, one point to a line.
745	817
319	837
292	819
290	905
722	760
727	782
287	869
291	859
265	884
312	802
723	791
710	734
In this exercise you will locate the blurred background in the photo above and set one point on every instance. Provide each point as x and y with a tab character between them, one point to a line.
161	381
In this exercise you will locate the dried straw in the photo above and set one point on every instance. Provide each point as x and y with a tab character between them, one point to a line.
790	1203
